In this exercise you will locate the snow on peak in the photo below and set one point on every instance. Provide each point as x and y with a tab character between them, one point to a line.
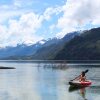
42	42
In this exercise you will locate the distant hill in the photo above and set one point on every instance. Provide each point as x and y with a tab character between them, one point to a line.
83	47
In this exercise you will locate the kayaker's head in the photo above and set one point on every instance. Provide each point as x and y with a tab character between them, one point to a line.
83	73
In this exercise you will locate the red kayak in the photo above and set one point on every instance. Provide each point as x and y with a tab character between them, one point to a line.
80	84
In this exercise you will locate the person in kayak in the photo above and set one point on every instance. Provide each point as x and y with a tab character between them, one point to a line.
82	77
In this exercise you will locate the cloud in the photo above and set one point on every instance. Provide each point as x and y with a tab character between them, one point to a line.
23	3
15	8
77	14
51	11
22	30
20	23
10	11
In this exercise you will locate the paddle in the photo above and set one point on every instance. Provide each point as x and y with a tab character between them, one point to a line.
79	75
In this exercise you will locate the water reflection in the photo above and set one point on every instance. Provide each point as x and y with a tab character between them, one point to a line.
81	90
54	66
47	85
83	93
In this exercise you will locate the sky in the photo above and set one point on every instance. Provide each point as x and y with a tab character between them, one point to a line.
29	21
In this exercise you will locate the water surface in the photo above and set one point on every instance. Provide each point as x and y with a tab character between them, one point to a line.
46	81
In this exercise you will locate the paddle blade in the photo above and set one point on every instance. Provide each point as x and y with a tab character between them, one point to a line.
86	71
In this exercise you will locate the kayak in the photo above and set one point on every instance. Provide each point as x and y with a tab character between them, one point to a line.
80	84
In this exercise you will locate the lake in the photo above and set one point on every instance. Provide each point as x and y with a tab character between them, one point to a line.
47	81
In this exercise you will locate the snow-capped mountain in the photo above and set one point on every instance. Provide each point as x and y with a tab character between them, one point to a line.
23	51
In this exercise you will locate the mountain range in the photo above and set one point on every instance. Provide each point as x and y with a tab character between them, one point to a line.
81	45
44	49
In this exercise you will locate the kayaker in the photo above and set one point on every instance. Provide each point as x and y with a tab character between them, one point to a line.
82	76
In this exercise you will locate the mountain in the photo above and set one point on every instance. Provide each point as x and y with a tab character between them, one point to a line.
83	47
19	50
44	49
52	47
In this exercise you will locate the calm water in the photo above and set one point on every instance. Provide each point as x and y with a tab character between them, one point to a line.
44	81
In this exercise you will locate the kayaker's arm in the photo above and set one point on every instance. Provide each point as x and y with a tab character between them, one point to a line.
80	75
77	78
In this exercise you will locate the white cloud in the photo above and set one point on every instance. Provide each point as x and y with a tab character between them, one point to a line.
23	3
7	12
27	23
77	14
16	8
22	30
50	11
19	23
